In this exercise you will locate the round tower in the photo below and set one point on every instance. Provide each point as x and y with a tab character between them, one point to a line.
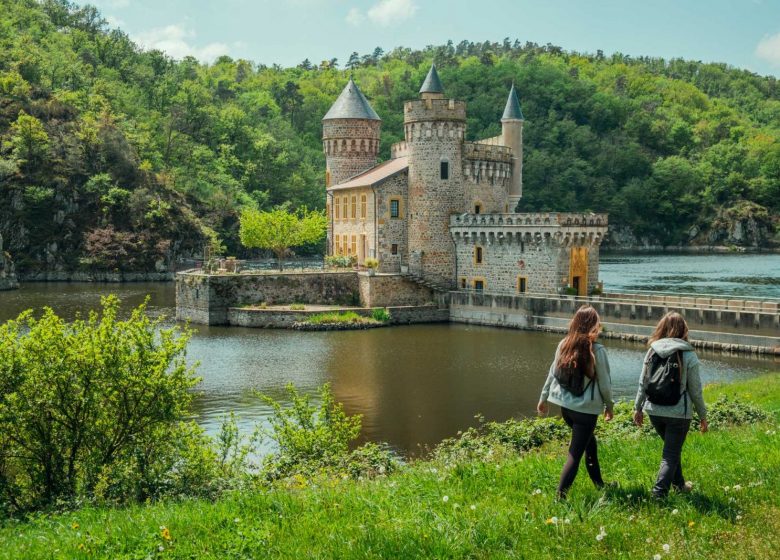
512	133
435	128
350	136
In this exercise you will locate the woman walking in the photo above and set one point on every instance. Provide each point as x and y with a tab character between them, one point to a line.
579	382
669	389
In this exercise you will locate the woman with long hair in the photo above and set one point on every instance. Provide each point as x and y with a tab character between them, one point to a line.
669	389
579	382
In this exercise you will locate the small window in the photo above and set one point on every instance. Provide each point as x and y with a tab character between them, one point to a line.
337	246
478	255
463	283
327	178
345	202
479	285
394	248
363	205
478	209
354	207
354	245
522	284
395	208
337	206
445	170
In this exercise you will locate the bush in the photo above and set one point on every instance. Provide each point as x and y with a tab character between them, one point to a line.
726	412
297	307
340	261
313	439
371	263
335	317
380	314
96	408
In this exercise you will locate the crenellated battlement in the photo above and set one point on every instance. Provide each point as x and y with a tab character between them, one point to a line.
421	110
399	149
487	152
563	229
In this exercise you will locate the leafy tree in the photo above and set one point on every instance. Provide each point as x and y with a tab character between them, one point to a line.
29	140
280	229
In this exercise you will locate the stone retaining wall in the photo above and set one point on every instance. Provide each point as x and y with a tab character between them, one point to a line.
385	290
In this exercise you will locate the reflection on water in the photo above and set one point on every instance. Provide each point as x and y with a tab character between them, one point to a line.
413	385
739	274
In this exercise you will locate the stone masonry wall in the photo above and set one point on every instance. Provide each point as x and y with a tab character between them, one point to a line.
359	227
392	230
351	147
205	299
434	129
386	290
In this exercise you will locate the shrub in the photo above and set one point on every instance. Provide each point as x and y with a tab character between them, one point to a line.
297	307
311	439
97	407
335	317
340	261
726	412
380	314
371	263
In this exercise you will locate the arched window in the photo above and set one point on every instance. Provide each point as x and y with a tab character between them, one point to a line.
444	170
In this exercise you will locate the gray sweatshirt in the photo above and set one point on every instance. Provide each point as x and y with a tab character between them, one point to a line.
690	382
601	395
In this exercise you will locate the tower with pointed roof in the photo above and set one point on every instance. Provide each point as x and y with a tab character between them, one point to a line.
350	135
434	128
512	133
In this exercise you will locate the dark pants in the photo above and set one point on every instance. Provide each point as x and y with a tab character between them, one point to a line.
673	431
582	442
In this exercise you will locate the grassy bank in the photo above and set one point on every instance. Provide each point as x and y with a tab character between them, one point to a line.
498	506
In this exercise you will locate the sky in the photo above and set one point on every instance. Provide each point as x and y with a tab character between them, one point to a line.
743	33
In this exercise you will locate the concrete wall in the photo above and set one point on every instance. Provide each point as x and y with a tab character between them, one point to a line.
205	299
757	329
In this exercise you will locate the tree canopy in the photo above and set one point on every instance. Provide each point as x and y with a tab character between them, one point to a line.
111	155
279	229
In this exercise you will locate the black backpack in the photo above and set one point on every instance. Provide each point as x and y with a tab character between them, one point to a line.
573	380
664	379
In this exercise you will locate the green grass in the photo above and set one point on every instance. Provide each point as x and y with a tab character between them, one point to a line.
336	317
500	507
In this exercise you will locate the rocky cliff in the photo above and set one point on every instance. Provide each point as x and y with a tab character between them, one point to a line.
8	279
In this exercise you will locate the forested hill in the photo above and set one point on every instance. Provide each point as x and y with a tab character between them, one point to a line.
112	157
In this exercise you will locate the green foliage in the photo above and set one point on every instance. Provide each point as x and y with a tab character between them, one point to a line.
372	263
339	318
726	412
93	408
340	261
297	307
280	229
310	439
29	140
381	315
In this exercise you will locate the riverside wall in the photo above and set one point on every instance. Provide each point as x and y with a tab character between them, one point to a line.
285	319
737	325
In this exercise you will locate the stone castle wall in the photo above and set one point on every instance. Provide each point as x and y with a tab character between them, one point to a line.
392	230
346	228
351	146
393	290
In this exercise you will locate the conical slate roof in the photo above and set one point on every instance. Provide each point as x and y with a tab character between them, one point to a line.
512	109
351	104
432	83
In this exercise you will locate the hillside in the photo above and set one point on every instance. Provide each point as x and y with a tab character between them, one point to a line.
116	158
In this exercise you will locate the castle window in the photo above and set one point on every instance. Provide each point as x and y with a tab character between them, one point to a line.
394	249
346	207
479	284
327	179
395	208
445	170
354	245
363	205
463	283
354	207
337	206
522	284
478	208
337	246
478	255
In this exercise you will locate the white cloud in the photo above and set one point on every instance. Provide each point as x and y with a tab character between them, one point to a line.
387	12
174	40
769	49
355	17
114	21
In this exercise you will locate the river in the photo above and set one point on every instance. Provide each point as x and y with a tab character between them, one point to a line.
413	385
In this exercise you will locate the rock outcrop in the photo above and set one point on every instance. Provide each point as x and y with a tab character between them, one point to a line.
8	280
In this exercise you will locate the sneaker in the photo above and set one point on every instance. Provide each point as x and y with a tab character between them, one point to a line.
686	488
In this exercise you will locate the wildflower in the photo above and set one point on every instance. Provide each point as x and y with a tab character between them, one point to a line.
648	540
567	521
165	533
631	517
161	548
726	488
549	521
666	548
675	511
739	517
737	487
554	520
74	526
473	507
236	520
601	535
537	492
691	523
445	499
656	557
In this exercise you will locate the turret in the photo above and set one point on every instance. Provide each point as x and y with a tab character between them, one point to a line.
434	128
350	136
512	133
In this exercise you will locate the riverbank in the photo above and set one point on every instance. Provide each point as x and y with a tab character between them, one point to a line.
482	504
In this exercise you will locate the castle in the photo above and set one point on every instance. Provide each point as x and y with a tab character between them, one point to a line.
441	210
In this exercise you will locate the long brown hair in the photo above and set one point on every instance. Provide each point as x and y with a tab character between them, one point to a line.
671	325
577	346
